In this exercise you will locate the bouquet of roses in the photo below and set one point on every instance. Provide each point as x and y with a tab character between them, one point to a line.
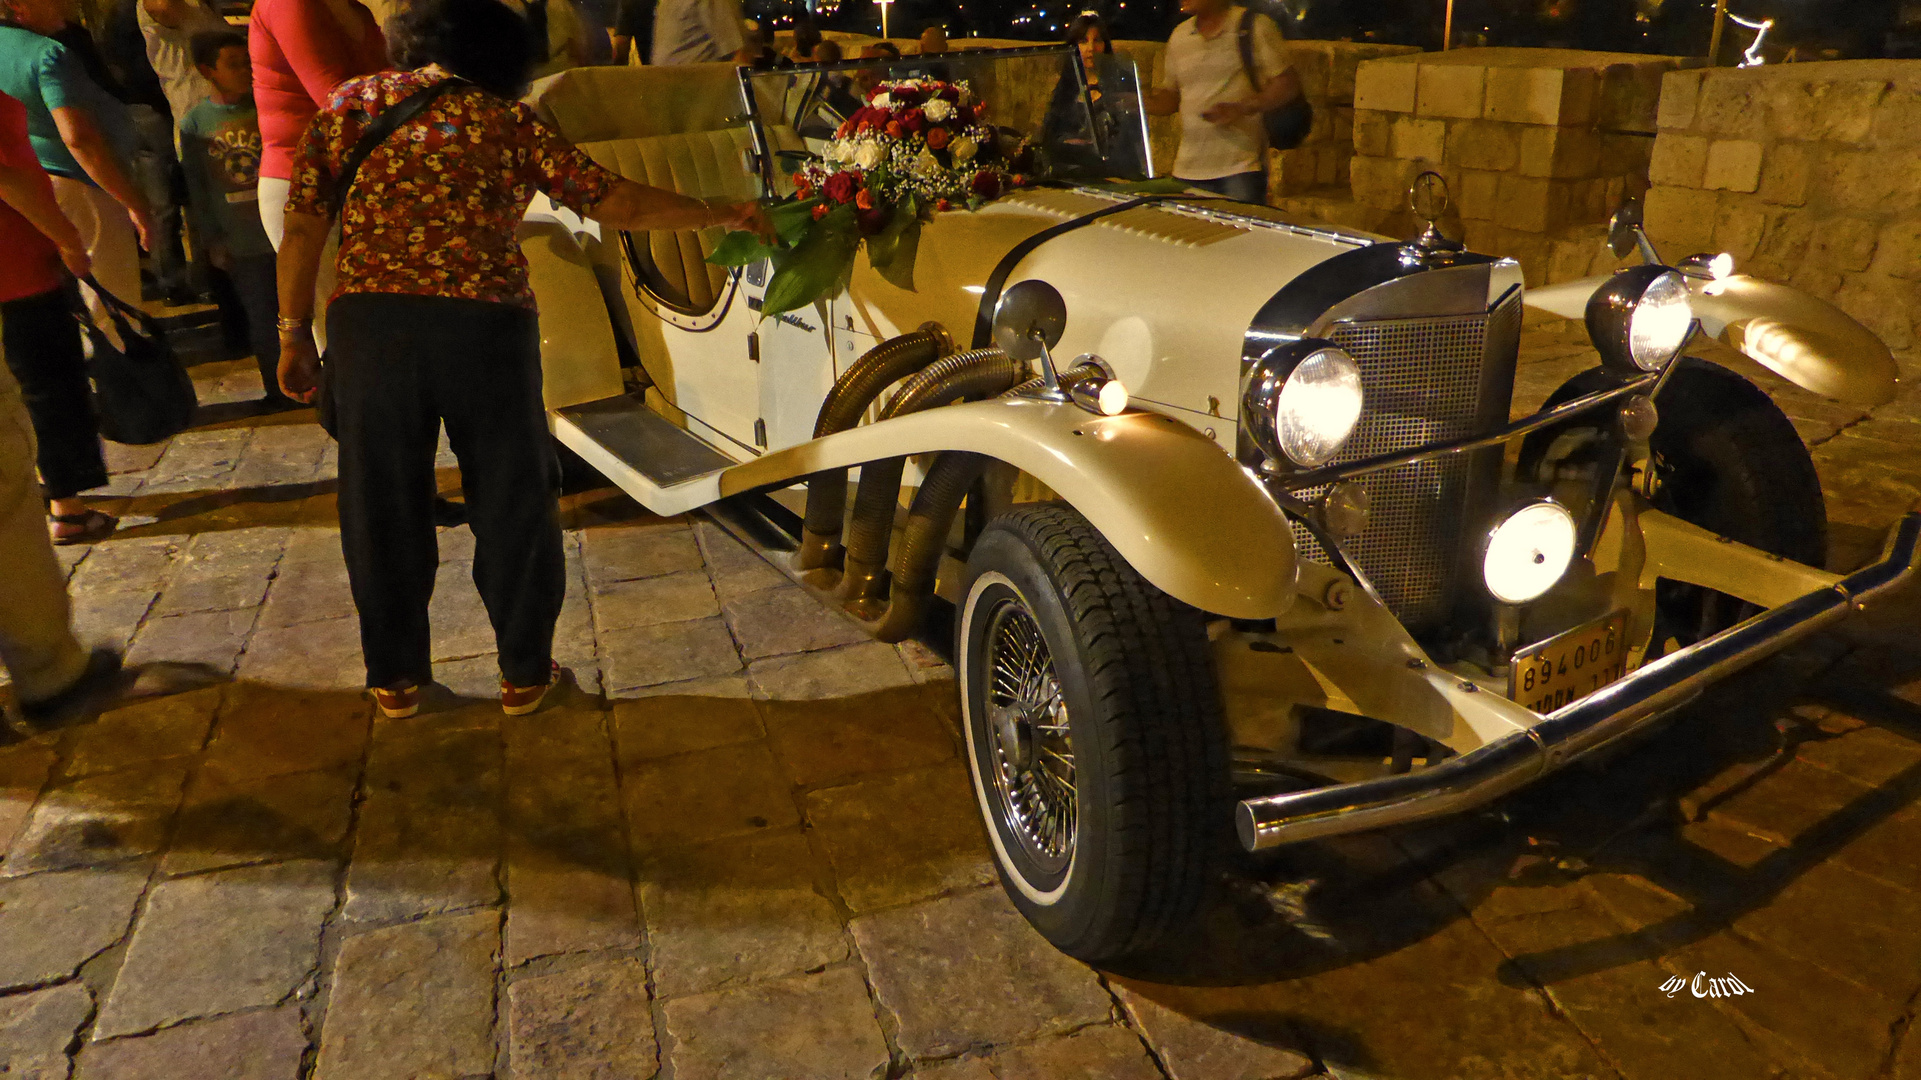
917	147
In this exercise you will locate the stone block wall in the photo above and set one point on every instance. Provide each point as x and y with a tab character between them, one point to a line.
1537	145
1328	70
1805	173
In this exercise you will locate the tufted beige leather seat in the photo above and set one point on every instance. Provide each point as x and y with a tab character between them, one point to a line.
676	127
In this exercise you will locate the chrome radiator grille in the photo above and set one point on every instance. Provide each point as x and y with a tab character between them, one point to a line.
1426	380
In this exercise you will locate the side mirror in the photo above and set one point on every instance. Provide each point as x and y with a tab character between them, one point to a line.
1625	232
1029	320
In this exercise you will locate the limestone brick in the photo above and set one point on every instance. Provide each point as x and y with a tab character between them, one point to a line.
1478	197
1729	107
1526	95
1454	91
1531	203
1733	165
1683	217
1784	243
1898	121
1845	243
1412	139
1371	132
1679	160
1311	67
1386	85
1381	182
1845	111
1629	94
1345	59
1476	144
1738	228
1565	153
1785	169
1883	305
1816	279
1871	182
1680	94
1898	253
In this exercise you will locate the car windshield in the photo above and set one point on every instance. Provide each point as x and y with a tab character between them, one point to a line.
1039	95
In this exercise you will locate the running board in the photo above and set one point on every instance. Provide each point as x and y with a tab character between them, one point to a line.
664	467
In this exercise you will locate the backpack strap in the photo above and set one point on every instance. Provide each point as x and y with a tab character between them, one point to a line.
1244	38
379	132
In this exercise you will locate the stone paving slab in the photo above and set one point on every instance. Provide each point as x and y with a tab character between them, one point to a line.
745	845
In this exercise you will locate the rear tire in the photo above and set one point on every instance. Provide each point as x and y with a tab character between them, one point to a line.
1094	735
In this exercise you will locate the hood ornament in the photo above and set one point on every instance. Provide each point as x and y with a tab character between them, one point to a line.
1428	197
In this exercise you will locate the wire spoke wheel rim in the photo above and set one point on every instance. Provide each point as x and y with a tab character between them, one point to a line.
1030	747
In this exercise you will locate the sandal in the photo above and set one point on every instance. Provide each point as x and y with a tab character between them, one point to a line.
89	527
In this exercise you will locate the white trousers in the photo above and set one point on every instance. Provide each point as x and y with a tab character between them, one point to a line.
36	636
273	218
111	243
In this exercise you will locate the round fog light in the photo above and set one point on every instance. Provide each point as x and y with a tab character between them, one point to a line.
1528	553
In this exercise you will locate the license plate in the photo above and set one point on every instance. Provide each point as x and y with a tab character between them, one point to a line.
1568	667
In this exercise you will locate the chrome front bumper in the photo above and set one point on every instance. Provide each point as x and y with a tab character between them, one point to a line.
1512	761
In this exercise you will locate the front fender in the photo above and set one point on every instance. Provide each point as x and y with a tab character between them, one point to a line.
1178	509
1801	338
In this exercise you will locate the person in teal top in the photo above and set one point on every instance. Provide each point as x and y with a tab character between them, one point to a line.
220	151
84	138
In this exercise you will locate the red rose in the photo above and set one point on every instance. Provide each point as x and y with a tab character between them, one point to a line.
876	92
846	129
871	222
864	200
1017	180
802	189
820	211
906	96
943	205
912	121
986	184
841	186
949	94
936	138
893	129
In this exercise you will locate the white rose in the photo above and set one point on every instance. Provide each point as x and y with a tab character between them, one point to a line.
926	164
869	154
937	110
882	101
839	152
963	149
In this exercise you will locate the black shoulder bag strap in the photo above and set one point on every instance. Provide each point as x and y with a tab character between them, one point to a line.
1288	125
1244	38
379	132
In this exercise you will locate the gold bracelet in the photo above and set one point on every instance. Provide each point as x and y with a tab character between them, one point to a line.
288	325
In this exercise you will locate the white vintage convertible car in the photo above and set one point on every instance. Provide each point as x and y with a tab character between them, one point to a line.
1219	499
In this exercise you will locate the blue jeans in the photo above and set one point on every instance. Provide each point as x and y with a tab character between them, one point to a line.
1247	187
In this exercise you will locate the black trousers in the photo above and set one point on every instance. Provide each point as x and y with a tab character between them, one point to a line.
253	280
43	351
399	366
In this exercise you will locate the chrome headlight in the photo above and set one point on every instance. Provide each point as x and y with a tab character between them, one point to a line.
1640	319
1527	553
1302	401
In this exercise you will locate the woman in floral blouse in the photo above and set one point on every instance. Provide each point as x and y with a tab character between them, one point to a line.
433	320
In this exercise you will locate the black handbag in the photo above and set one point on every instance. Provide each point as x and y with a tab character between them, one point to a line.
140	391
377	132
1288	125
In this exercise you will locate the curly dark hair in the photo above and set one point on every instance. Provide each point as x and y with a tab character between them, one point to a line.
483	41
1077	31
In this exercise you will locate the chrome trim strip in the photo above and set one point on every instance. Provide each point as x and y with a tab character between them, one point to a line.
1608	714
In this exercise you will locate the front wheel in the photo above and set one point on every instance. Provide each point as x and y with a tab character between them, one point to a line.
1094	735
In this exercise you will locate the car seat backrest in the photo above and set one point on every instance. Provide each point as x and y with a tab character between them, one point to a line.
678	127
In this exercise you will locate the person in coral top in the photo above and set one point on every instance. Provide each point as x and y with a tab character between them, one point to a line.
301	50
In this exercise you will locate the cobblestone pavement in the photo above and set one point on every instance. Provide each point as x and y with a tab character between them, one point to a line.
745	847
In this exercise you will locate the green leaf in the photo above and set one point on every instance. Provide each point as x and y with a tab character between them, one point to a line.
791	220
812	268
892	252
739	248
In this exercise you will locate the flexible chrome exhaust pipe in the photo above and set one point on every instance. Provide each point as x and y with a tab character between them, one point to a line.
1602	717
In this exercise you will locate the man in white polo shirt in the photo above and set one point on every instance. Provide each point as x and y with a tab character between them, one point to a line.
1223	144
